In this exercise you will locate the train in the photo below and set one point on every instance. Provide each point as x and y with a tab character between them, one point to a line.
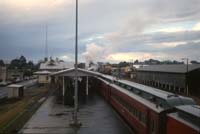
148	110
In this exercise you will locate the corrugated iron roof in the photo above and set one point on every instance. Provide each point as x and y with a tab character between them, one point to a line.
15	86
42	72
56	65
180	68
67	71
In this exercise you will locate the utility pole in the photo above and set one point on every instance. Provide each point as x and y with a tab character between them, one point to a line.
46	42
186	76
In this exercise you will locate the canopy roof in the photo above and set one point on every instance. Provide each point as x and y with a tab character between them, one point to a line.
42	72
15	86
71	72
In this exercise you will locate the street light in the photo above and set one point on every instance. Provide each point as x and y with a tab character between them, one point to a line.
75	122
186	79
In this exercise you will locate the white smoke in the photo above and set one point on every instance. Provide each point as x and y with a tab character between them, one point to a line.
94	52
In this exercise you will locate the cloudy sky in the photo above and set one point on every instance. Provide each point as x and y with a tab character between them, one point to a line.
109	30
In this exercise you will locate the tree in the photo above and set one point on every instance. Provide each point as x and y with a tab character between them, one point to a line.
194	62
136	62
2	63
15	64
30	65
18	63
22	59
22	62
123	64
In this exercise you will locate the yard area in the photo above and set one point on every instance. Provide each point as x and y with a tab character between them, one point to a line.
14	113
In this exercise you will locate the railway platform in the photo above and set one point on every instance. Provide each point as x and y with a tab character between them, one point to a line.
96	116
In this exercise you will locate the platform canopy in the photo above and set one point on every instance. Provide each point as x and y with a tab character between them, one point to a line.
71	72
15	86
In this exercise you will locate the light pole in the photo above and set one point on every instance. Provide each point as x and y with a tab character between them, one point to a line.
75	118
186	76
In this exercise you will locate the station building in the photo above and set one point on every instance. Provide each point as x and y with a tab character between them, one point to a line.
49	67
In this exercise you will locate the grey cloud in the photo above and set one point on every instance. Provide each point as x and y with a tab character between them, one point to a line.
23	32
189	50
157	37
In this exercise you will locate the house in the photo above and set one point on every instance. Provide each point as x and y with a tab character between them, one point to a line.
3	73
43	76
10	74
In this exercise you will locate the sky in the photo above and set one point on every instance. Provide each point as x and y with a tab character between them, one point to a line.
109	31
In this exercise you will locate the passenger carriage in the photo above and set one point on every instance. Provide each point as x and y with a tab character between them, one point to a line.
144	108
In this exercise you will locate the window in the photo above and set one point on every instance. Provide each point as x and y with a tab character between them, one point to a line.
143	118
153	127
133	110
139	115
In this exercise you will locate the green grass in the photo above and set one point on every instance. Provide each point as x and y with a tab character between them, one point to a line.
14	113
20	119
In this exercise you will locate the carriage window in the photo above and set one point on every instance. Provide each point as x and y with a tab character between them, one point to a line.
143	118
139	116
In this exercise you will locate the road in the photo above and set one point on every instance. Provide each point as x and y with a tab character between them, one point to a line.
26	84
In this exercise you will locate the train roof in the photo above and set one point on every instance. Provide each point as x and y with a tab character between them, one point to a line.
193	110
188	115
140	99
158	97
136	97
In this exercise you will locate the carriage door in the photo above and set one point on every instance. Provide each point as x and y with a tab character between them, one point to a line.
152	123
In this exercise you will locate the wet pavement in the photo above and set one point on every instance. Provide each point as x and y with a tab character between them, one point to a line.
96	116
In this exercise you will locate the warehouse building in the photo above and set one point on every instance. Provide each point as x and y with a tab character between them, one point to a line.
178	78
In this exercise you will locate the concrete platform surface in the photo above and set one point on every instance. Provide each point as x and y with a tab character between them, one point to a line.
96	116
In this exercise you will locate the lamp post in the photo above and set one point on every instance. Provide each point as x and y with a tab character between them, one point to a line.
186	79
75	122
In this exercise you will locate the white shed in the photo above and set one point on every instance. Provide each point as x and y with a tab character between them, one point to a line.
15	91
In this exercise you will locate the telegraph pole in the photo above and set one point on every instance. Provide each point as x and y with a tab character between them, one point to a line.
186	76
46	42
